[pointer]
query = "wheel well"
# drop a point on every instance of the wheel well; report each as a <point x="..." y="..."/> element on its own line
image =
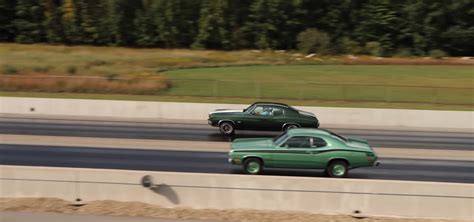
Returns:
<point x="286" y="124"/>
<point x="254" y="157"/>
<point x="226" y="121"/>
<point x="339" y="159"/>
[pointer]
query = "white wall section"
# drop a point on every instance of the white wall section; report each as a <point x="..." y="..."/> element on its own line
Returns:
<point x="221" y="191"/>
<point x="348" y="117"/>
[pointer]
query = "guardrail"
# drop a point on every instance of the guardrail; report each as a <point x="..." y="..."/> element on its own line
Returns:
<point x="220" y="191"/>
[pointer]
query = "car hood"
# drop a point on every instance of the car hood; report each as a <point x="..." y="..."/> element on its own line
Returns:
<point x="358" y="144"/>
<point x="218" y="111"/>
<point x="252" y="143"/>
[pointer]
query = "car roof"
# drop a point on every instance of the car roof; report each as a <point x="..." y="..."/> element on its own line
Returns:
<point x="270" y="103"/>
<point x="303" y="131"/>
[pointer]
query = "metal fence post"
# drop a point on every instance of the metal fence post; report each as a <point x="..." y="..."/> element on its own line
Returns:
<point x="214" y="88"/>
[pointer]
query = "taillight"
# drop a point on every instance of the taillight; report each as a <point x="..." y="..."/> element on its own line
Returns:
<point x="370" y="156"/>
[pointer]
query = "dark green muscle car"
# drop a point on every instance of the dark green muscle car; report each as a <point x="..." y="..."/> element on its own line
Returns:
<point x="262" y="116"/>
<point x="303" y="149"/>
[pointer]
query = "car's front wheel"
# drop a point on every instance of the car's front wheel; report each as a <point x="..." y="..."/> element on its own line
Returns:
<point x="337" y="168"/>
<point x="253" y="166"/>
<point x="227" y="128"/>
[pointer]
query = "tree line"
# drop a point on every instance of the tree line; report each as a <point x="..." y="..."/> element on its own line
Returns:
<point x="379" y="27"/>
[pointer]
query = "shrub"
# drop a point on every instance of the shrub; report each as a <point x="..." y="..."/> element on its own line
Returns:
<point x="9" y="70"/>
<point x="373" y="48"/>
<point x="437" y="54"/>
<point x="313" y="41"/>
<point x="111" y="76"/>
<point x="97" y="62"/>
<point x="346" y="45"/>
<point x="403" y="52"/>
<point x="71" y="70"/>
<point x="136" y="86"/>
<point x="42" y="69"/>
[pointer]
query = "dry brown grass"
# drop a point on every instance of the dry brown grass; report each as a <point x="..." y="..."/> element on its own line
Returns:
<point x="116" y="208"/>
<point x="68" y="84"/>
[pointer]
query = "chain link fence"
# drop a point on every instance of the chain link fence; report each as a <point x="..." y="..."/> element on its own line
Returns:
<point x="268" y="89"/>
<point x="322" y="91"/>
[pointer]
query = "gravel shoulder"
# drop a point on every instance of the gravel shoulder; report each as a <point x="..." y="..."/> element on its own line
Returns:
<point x="137" y="209"/>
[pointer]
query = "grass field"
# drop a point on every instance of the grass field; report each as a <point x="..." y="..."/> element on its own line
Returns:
<point x="449" y="85"/>
<point x="248" y="75"/>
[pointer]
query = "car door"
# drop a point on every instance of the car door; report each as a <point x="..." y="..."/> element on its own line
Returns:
<point x="295" y="152"/>
<point x="258" y="118"/>
<point x="278" y="118"/>
<point x="320" y="152"/>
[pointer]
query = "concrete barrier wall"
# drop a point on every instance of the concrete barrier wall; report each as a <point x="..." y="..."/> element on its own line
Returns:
<point x="219" y="191"/>
<point x="355" y="117"/>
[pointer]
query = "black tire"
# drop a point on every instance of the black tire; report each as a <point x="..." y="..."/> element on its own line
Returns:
<point x="337" y="168"/>
<point x="253" y="166"/>
<point x="290" y="126"/>
<point x="227" y="128"/>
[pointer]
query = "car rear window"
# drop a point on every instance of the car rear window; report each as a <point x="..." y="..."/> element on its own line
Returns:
<point x="333" y="134"/>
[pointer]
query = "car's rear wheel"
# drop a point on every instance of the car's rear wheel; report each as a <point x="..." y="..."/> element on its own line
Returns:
<point x="253" y="166"/>
<point x="227" y="128"/>
<point x="337" y="168"/>
<point x="290" y="126"/>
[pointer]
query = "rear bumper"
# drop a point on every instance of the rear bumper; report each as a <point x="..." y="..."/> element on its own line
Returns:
<point x="376" y="163"/>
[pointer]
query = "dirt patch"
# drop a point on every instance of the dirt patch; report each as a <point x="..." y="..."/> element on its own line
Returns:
<point x="115" y="208"/>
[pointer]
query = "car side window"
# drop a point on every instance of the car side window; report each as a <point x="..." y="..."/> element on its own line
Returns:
<point x="262" y="111"/>
<point x="277" y="112"/>
<point x="257" y="110"/>
<point x="317" y="142"/>
<point x="297" y="142"/>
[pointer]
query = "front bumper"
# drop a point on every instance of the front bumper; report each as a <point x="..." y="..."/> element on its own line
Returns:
<point x="234" y="161"/>
<point x="211" y="123"/>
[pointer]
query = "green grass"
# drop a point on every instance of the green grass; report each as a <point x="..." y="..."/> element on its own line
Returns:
<point x="246" y="76"/>
<point x="446" y="85"/>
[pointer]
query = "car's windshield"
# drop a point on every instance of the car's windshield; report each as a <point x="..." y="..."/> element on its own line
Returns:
<point x="280" y="138"/>
<point x="248" y="108"/>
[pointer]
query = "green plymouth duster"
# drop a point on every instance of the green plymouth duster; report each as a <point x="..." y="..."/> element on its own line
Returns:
<point x="303" y="149"/>
<point x="262" y="116"/>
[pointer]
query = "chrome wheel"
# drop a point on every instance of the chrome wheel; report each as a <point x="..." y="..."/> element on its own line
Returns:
<point x="337" y="168"/>
<point x="253" y="166"/>
<point x="226" y="128"/>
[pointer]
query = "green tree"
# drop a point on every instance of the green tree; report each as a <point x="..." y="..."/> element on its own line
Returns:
<point x="7" y="16"/>
<point x="261" y="27"/>
<point x="145" y="26"/>
<point x="378" y="23"/>
<point x="213" y="26"/>
<point x="53" y="23"/>
<point x="29" y="21"/>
